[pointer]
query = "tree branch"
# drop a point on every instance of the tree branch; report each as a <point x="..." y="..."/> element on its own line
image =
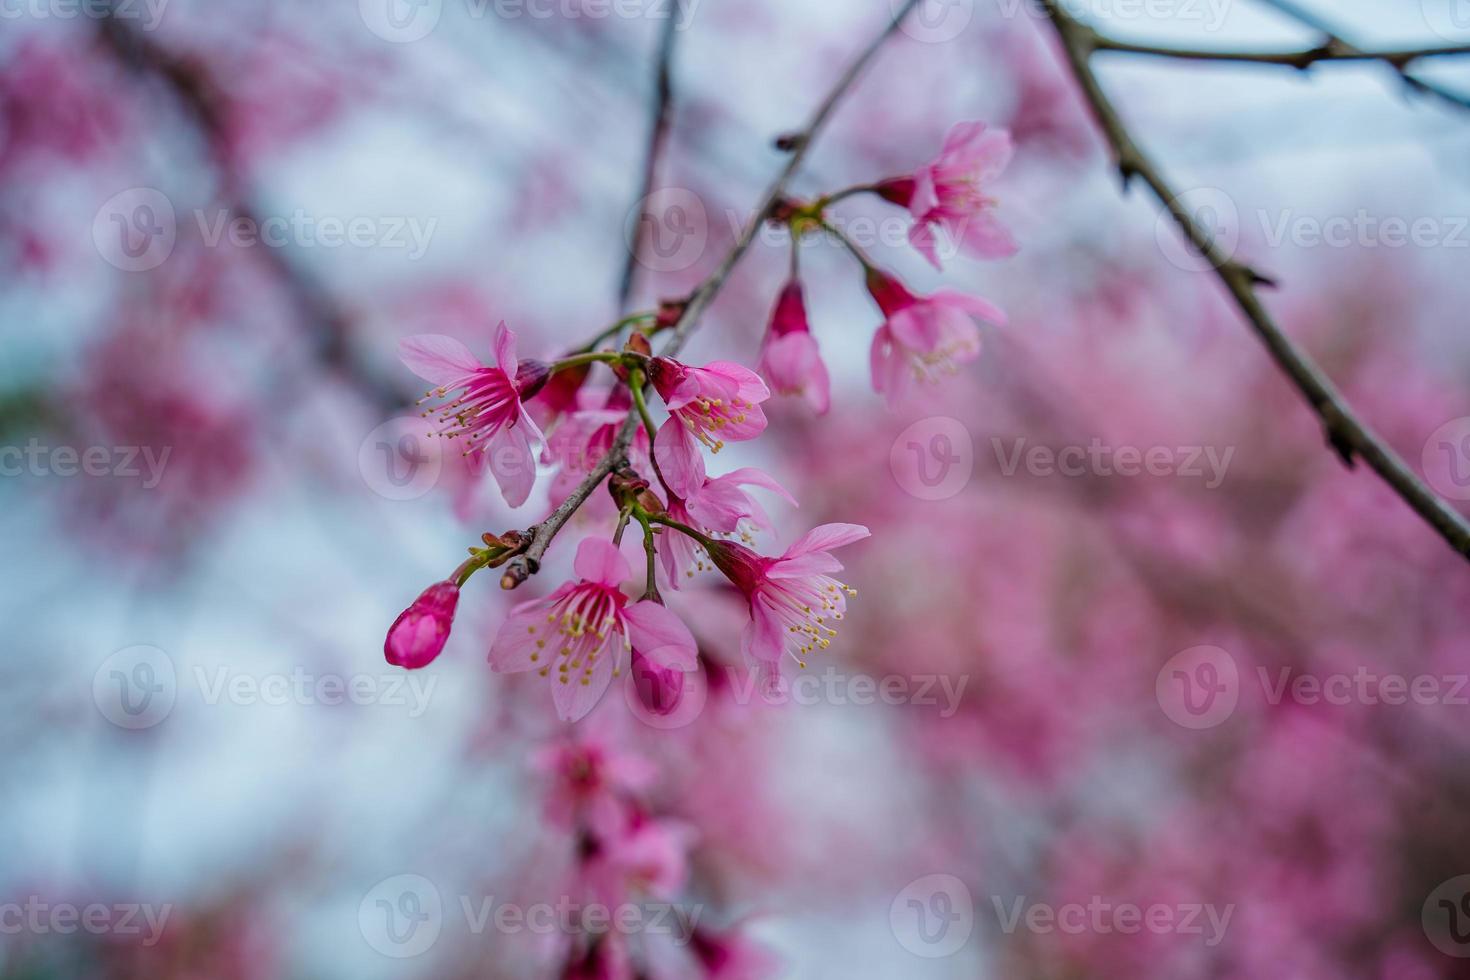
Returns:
<point x="1306" y="18"/>
<point x="1347" y="434"/>
<point x="524" y="565"/>
<point x="661" y="116"/>
<point x="1333" y="50"/>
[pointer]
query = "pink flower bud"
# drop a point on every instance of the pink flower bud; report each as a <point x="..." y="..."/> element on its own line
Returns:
<point x="660" y="689"/>
<point x="417" y="636"/>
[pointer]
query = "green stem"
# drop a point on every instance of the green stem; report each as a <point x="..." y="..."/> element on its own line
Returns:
<point x="476" y="561"/>
<point x="848" y="244"/>
<point x="651" y="590"/>
<point x="586" y="357"/>
<point x="703" y="539"/>
<point x="616" y="328"/>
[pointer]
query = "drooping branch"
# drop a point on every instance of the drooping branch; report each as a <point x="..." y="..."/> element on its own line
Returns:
<point x="1332" y="39"/>
<point x="1333" y="50"/>
<point x="1346" y="432"/>
<point x="203" y="102"/>
<point x="528" y="563"/>
<point x="660" y="118"/>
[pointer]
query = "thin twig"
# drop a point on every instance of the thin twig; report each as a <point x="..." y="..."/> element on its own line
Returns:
<point x="660" y="119"/>
<point x="1306" y="18"/>
<point x="204" y="102"/>
<point x="523" y="566"/>
<point x="1347" y="434"/>
<point x="1333" y="50"/>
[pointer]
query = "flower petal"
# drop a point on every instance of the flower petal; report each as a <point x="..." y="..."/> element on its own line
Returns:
<point x="599" y="560"/>
<point x="677" y="454"/>
<point x="512" y="460"/>
<point x="505" y="349"/>
<point x="763" y="639"/>
<point x="661" y="636"/>
<point x="825" y="537"/>
<point x="580" y="691"/>
<point x="438" y="359"/>
<point x="515" y="643"/>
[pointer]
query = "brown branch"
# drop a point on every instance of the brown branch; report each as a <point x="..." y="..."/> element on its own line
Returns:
<point x="203" y="101"/>
<point x="1347" y="434"/>
<point x="1332" y="39"/>
<point x="528" y="563"/>
<point x="1333" y="50"/>
<point x="661" y="117"/>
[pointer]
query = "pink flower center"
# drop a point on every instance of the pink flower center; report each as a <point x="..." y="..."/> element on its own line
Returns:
<point x="486" y="401"/>
<point x="803" y="606"/>
<point x="578" y="627"/>
<point x="706" y="416"/>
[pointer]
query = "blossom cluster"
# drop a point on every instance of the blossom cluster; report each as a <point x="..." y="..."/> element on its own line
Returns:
<point x="586" y="632"/>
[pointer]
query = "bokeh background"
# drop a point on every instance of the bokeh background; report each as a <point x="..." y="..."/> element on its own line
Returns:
<point x="204" y="740"/>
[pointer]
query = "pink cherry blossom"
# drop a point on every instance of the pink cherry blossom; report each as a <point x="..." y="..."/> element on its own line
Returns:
<point x="789" y="357"/>
<point x="721" y="507"/>
<point x="950" y="193"/>
<point x="791" y="597"/>
<point x="718" y="402"/>
<point x="583" y="630"/>
<point x="587" y="433"/>
<point x="922" y="337"/>
<point x="418" y="635"/>
<point x="486" y="409"/>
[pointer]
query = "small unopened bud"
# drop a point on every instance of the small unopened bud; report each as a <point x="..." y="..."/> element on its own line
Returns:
<point x="418" y="635"/>
<point x="531" y="377"/>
